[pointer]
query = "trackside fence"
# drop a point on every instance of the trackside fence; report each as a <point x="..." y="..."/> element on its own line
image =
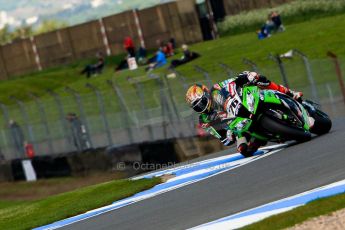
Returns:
<point x="152" y="109"/>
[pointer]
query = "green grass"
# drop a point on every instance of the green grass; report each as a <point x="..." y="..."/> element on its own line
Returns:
<point x="291" y="12"/>
<point x="7" y="204"/>
<point x="53" y="78"/>
<point x="29" y="191"/>
<point x="29" y="214"/>
<point x="315" y="208"/>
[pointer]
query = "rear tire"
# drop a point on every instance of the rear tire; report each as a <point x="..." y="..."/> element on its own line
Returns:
<point x="322" y="123"/>
<point x="285" y="132"/>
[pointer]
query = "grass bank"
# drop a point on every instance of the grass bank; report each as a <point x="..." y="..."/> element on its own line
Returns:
<point x="315" y="208"/>
<point x="29" y="191"/>
<point x="30" y="214"/>
<point x="313" y="37"/>
<point x="292" y="12"/>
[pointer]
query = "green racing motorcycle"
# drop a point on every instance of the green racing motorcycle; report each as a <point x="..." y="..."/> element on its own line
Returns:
<point x="276" y="117"/>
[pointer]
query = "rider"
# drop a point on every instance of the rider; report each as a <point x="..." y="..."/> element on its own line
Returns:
<point x="216" y="105"/>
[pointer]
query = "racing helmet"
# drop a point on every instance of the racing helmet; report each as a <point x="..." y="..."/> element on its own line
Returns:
<point x="198" y="97"/>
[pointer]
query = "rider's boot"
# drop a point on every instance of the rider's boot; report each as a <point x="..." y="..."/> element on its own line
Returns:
<point x="242" y="144"/>
<point x="295" y="95"/>
<point x="242" y="147"/>
<point x="255" y="144"/>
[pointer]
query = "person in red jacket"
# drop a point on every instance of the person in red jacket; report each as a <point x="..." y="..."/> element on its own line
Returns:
<point x="129" y="46"/>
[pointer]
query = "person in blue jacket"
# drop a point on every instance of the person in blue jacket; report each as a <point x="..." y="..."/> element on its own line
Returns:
<point x="159" y="62"/>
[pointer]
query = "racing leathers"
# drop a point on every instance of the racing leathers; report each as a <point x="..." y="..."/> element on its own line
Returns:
<point x="224" y="107"/>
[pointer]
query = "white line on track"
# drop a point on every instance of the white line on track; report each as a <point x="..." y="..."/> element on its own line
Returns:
<point x="256" y="214"/>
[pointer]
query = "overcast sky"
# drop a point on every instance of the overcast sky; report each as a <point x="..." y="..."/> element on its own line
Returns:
<point x="17" y="12"/>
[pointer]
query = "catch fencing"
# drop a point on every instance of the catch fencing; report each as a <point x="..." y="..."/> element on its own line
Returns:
<point x="150" y="108"/>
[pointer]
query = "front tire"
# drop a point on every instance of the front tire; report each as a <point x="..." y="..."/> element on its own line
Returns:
<point x="322" y="123"/>
<point x="283" y="130"/>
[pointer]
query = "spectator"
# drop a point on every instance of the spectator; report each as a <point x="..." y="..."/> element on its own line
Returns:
<point x="17" y="137"/>
<point x="187" y="57"/>
<point x="277" y="22"/>
<point x="264" y="32"/>
<point x="141" y="56"/>
<point x="168" y="49"/>
<point x="129" y="46"/>
<point x="123" y="64"/>
<point x="160" y="60"/>
<point x="94" y="68"/>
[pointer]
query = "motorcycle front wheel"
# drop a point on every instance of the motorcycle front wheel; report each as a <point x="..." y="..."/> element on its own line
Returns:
<point x="285" y="131"/>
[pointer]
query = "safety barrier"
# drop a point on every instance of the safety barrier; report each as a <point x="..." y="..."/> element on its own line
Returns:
<point x="130" y="160"/>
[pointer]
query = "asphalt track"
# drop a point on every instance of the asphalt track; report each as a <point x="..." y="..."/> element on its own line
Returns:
<point x="296" y="169"/>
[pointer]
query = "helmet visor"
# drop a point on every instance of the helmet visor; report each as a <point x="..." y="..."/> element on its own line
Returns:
<point x="201" y="105"/>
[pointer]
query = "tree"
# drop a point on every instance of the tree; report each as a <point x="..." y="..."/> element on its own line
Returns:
<point x="22" y="32"/>
<point x="5" y="35"/>
<point x="50" y="25"/>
